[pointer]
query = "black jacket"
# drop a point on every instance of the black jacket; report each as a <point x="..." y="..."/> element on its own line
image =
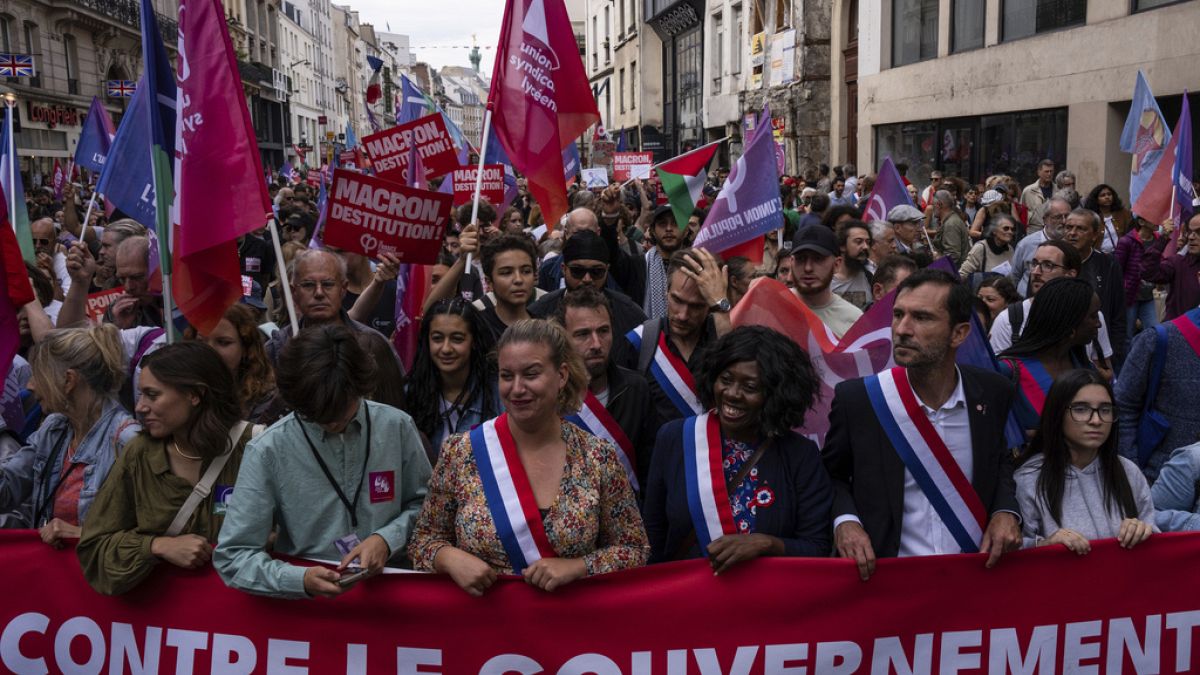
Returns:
<point x="868" y="474"/>
<point x="1104" y="274"/>
<point x="630" y="405"/>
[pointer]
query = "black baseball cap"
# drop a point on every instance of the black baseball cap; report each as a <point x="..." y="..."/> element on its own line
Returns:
<point x="815" y="238"/>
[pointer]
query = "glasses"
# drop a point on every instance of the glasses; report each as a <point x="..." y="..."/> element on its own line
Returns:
<point x="326" y="285"/>
<point x="41" y="242"/>
<point x="1189" y="233"/>
<point x="583" y="271"/>
<point x="1082" y="412"/>
<point x="1005" y="229"/>
<point x="1045" y="265"/>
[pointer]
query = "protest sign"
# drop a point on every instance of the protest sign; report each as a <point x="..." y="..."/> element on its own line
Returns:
<point x="595" y="178"/>
<point x="372" y="216"/>
<point x="388" y="150"/>
<point x="493" y="183"/>
<point x="313" y="177"/>
<point x="935" y="614"/>
<point x="98" y="302"/>
<point x="627" y="165"/>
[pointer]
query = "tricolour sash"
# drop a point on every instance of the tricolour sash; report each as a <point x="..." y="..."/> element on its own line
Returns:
<point x="708" y="496"/>
<point x="1035" y="382"/>
<point x="927" y="458"/>
<point x="509" y="496"/>
<point x="595" y="419"/>
<point x="671" y="373"/>
<point x="1189" y="325"/>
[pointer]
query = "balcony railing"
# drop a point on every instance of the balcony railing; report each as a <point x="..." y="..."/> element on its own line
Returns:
<point x="126" y="11"/>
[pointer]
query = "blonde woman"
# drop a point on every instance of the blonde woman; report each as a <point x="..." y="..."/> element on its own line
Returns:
<point x="54" y="478"/>
<point x="578" y="516"/>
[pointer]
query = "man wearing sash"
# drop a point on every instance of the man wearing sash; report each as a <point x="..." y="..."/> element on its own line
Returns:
<point x="1172" y="351"/>
<point x="917" y="453"/>
<point x="617" y="405"/>
<point x="669" y="348"/>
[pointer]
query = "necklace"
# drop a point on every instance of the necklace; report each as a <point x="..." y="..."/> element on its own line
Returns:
<point x="175" y="447"/>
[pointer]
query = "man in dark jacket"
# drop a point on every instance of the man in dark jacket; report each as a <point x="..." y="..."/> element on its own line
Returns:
<point x="879" y="508"/>
<point x="1083" y="231"/>
<point x="587" y="317"/>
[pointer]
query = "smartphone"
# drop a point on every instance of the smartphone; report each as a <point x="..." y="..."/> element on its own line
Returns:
<point x="352" y="578"/>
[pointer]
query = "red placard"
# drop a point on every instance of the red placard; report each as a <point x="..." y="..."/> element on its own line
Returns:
<point x="493" y="183"/>
<point x="625" y="162"/>
<point x="313" y="177"/>
<point x="372" y="216"/>
<point x="98" y="302"/>
<point x="388" y="150"/>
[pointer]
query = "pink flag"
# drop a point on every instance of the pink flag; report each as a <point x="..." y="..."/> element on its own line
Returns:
<point x="215" y="153"/>
<point x="540" y="97"/>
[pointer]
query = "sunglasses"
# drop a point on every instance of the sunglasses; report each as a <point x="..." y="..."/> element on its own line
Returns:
<point x="584" y="271"/>
<point x="41" y="242"/>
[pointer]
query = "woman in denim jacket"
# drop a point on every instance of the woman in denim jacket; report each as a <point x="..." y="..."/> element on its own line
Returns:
<point x="55" y="476"/>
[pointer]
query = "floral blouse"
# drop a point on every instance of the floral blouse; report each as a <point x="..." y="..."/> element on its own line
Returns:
<point x="594" y="517"/>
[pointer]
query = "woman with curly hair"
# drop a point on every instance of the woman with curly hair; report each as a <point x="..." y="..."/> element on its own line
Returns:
<point x="772" y="495"/>
<point x="1103" y="200"/>
<point x="239" y="342"/>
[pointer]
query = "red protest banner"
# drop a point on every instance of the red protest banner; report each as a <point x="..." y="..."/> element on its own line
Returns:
<point x="98" y="302"/>
<point x="313" y="177"/>
<point x="493" y="183"/>
<point x="628" y="165"/>
<point x="1046" y="610"/>
<point x="372" y="216"/>
<point x="388" y="149"/>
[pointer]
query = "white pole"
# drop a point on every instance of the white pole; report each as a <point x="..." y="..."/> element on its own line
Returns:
<point x="168" y="299"/>
<point x="487" y="128"/>
<point x="87" y="218"/>
<point x="284" y="281"/>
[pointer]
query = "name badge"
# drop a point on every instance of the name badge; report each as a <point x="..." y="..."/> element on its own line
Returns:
<point x="383" y="486"/>
<point x="222" y="495"/>
<point x="253" y="265"/>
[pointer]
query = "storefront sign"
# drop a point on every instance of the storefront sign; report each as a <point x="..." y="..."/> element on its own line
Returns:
<point x="53" y="115"/>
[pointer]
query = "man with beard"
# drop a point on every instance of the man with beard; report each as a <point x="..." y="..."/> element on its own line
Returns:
<point x="815" y="251"/>
<point x="851" y="279"/>
<point x="883" y="504"/>
<point x="615" y="394"/>
<point x="667" y="238"/>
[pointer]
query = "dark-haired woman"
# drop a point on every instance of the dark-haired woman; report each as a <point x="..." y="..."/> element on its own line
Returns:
<point x="1072" y="486"/>
<point x="452" y="386"/>
<point x="1063" y="319"/>
<point x="772" y="495"/>
<point x="997" y="292"/>
<point x="1103" y="200"/>
<point x="189" y="409"/>
<point x="1139" y="294"/>
<point x="239" y="342"/>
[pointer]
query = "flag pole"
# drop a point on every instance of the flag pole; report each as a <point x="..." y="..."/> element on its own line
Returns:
<point x="487" y="128"/>
<point x="87" y="218"/>
<point x="12" y="168"/>
<point x="168" y="299"/>
<point x="284" y="281"/>
<point x="655" y="166"/>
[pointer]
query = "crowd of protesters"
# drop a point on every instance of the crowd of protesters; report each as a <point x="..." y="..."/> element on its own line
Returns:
<point x="591" y="363"/>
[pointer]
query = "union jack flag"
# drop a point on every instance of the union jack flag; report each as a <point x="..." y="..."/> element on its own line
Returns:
<point x="121" y="88"/>
<point x="16" y="65"/>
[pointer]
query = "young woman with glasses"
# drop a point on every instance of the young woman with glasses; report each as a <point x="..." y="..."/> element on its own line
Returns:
<point x="1072" y="485"/>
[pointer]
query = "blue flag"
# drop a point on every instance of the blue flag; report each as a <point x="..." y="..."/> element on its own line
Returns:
<point x="888" y="193"/>
<point x="351" y="139"/>
<point x="622" y="142"/>
<point x="287" y="171"/>
<point x="1183" y="193"/>
<point x="571" y="161"/>
<point x="126" y="179"/>
<point x="95" y="139"/>
<point x="415" y="104"/>
<point x="748" y="205"/>
<point x="1145" y="136"/>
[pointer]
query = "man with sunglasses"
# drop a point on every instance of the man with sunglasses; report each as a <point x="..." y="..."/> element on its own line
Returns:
<point x="49" y="257"/>
<point x="585" y="264"/>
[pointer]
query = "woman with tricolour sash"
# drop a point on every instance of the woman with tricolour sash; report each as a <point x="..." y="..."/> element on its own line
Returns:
<point x="526" y="493"/>
<point x="1063" y="319"/>
<point x="736" y="483"/>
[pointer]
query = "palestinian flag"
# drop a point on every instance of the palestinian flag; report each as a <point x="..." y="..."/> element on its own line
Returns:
<point x="683" y="180"/>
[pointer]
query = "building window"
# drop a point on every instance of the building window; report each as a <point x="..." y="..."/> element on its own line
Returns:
<point x="1140" y="5"/>
<point x="621" y="26"/>
<point x="973" y="148"/>
<point x="5" y="34"/>
<point x="1022" y="18"/>
<point x="71" y="53"/>
<point x="633" y="73"/>
<point x="633" y="17"/>
<point x="967" y="32"/>
<point x="621" y="96"/>
<point x="783" y="14"/>
<point x="735" y="51"/>
<point x="718" y="50"/>
<point x="33" y="45"/>
<point x="607" y="35"/>
<point x="914" y="31"/>
<point x="595" y="42"/>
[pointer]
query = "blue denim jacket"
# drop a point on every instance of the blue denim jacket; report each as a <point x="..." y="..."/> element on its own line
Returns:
<point x="31" y="476"/>
<point x="472" y="416"/>
<point x="1174" y="493"/>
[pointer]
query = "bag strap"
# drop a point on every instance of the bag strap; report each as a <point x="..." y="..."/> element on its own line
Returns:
<point x="204" y="486"/>
<point x="1157" y="363"/>
<point x="650" y="330"/>
<point x="690" y="540"/>
<point x="1016" y="317"/>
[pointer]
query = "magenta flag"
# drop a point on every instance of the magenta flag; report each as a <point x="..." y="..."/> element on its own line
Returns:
<point x="219" y="192"/>
<point x="540" y="97"/>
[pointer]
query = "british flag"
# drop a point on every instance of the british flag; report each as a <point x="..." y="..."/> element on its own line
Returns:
<point x="16" y="65"/>
<point x="121" y="88"/>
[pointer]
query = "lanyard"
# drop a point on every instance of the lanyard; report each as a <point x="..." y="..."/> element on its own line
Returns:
<point x="351" y="506"/>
